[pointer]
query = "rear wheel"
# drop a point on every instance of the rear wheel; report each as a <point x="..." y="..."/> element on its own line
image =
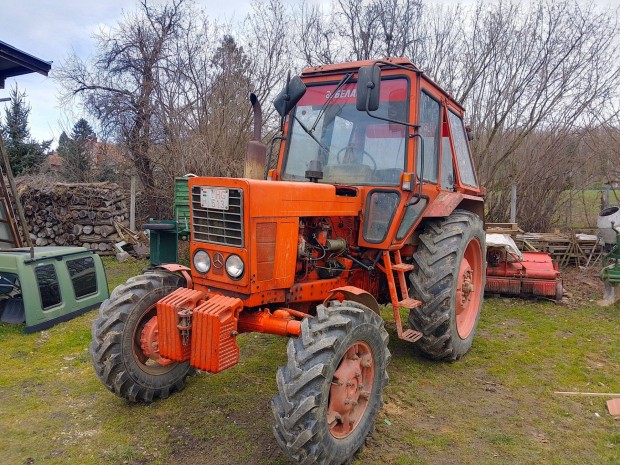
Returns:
<point x="124" y="345"/>
<point x="449" y="278"/>
<point x="330" y="391"/>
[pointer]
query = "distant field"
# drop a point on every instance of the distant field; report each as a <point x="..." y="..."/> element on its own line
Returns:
<point x="496" y="406"/>
<point x="582" y="208"/>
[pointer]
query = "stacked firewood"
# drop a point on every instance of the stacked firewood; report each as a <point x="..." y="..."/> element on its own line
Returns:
<point x="82" y="214"/>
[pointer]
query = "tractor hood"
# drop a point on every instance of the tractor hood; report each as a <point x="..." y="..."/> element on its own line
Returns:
<point x="278" y="199"/>
<point x="257" y="224"/>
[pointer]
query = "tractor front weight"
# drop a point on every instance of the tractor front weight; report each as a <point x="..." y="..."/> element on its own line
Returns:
<point x="203" y="327"/>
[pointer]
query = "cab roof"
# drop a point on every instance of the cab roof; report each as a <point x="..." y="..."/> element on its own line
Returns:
<point x="354" y="66"/>
<point x="340" y="68"/>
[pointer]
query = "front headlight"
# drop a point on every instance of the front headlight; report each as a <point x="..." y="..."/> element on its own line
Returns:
<point x="234" y="266"/>
<point x="202" y="261"/>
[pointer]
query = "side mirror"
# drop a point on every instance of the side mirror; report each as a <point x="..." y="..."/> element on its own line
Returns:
<point x="289" y="96"/>
<point x="368" y="88"/>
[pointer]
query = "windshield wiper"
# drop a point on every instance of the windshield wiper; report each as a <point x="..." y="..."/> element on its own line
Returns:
<point x="309" y="132"/>
<point x="342" y="82"/>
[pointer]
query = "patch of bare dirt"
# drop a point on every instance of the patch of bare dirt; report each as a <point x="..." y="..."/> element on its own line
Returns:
<point x="581" y="285"/>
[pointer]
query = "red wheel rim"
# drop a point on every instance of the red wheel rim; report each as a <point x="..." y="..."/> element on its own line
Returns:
<point x="350" y="390"/>
<point x="469" y="289"/>
<point x="149" y="342"/>
<point x="146" y="345"/>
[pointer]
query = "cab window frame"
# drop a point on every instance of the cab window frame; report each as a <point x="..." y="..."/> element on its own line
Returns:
<point x="436" y="155"/>
<point x="291" y="123"/>
<point x="38" y="280"/>
<point x="92" y="266"/>
<point x="468" y="161"/>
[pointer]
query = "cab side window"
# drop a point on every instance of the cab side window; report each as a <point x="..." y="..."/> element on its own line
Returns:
<point x="429" y="130"/>
<point x="463" y="157"/>
<point x="83" y="276"/>
<point x="447" y="167"/>
<point x="49" y="289"/>
<point x="447" y="157"/>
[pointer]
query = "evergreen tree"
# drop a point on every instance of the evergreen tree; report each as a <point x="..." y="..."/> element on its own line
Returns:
<point x="23" y="151"/>
<point x="76" y="150"/>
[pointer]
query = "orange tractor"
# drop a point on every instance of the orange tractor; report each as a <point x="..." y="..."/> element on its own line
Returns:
<point x="373" y="200"/>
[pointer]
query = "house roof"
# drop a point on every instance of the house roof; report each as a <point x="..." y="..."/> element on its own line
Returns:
<point x="14" y="62"/>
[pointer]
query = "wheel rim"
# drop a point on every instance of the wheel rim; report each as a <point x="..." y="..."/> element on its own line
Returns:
<point x="469" y="289"/>
<point x="350" y="390"/>
<point x="146" y="345"/>
<point x="149" y="343"/>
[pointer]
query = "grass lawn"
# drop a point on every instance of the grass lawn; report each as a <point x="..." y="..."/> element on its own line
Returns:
<point x="495" y="406"/>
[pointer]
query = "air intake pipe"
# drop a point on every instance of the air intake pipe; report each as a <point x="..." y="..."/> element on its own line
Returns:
<point x="256" y="154"/>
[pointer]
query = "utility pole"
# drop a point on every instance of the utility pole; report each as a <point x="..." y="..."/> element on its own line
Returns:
<point x="513" y="203"/>
<point x="132" y="204"/>
<point x="606" y="196"/>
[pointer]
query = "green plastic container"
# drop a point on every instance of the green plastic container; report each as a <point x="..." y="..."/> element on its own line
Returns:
<point x="165" y="234"/>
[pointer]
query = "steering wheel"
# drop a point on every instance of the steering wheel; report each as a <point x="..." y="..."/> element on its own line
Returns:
<point x="364" y="152"/>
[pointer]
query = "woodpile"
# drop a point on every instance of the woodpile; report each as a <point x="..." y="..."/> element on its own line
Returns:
<point x="80" y="214"/>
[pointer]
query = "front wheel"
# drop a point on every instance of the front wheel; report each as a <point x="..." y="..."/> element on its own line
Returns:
<point x="330" y="390"/>
<point x="124" y="345"/>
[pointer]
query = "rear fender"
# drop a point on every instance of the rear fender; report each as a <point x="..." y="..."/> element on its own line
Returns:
<point x="354" y="294"/>
<point x="447" y="202"/>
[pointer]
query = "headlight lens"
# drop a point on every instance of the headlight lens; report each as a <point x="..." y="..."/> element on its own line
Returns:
<point x="202" y="261"/>
<point x="234" y="266"/>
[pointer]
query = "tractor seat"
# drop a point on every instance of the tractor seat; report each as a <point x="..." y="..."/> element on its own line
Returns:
<point x="347" y="173"/>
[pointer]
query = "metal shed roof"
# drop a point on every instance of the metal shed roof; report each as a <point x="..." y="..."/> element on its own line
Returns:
<point x="14" y="62"/>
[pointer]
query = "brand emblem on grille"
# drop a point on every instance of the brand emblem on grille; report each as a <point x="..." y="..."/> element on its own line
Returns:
<point x="218" y="260"/>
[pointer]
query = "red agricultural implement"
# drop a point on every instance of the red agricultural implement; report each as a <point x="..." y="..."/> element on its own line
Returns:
<point x="512" y="272"/>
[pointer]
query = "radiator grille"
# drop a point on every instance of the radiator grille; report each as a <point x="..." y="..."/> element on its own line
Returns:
<point x="214" y="226"/>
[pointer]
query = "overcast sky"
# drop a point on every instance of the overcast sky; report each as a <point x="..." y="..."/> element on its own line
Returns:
<point x="51" y="29"/>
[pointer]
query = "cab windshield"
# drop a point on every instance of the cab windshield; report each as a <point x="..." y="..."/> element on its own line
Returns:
<point x="354" y="148"/>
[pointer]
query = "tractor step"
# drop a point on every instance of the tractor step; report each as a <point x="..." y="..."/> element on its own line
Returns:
<point x="396" y="286"/>
<point x="409" y="303"/>
<point x="411" y="335"/>
<point x="402" y="267"/>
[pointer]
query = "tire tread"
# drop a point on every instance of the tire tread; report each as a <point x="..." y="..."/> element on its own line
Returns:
<point x="107" y="334"/>
<point x="434" y="278"/>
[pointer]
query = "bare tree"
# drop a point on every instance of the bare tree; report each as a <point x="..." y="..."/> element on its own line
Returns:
<point x="320" y="45"/>
<point x="545" y="68"/>
<point x="172" y="85"/>
<point x="119" y="85"/>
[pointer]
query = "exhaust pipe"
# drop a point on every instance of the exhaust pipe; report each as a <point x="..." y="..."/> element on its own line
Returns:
<point x="256" y="155"/>
<point x="258" y="116"/>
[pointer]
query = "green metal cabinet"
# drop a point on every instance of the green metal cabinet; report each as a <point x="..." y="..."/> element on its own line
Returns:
<point x="165" y="234"/>
<point x="181" y="207"/>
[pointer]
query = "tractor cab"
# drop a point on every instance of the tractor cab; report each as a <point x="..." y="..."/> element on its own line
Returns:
<point x="388" y="131"/>
<point x="381" y="123"/>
